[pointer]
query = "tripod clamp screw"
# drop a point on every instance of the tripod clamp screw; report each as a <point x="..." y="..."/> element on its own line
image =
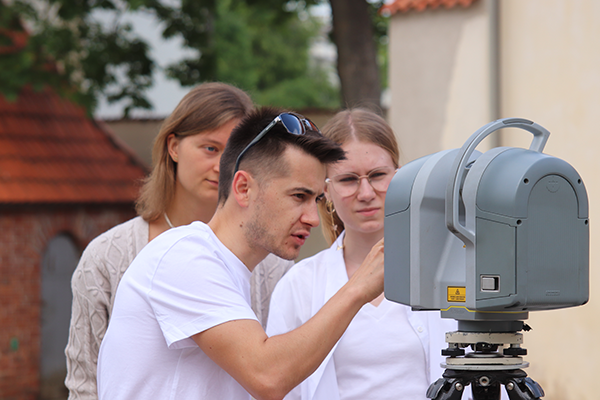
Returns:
<point x="453" y="351"/>
<point x="515" y="350"/>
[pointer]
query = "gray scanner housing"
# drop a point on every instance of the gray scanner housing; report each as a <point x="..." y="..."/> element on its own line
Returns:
<point x="488" y="236"/>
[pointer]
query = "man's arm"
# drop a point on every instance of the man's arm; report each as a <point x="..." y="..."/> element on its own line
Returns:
<point x="269" y="367"/>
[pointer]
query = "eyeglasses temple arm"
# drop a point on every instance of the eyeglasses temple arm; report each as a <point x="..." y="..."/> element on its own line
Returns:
<point x="254" y="141"/>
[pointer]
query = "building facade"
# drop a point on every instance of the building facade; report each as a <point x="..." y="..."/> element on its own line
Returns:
<point x="63" y="181"/>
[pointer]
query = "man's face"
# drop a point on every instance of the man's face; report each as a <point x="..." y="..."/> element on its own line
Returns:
<point x="285" y="207"/>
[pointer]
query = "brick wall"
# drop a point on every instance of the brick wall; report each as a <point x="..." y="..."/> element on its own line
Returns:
<point x="24" y="235"/>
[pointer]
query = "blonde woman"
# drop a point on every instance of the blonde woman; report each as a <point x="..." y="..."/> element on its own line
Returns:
<point x="182" y="188"/>
<point x="388" y="351"/>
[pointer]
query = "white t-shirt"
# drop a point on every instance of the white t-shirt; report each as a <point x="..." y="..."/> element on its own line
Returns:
<point x="411" y="340"/>
<point x="182" y="283"/>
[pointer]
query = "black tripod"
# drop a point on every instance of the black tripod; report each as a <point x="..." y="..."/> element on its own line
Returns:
<point x="485" y="385"/>
<point x="485" y="369"/>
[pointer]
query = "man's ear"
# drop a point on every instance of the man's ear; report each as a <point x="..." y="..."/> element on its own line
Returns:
<point x="243" y="184"/>
<point x="173" y="146"/>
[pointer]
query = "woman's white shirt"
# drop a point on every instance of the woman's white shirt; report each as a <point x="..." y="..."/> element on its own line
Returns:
<point x="419" y="336"/>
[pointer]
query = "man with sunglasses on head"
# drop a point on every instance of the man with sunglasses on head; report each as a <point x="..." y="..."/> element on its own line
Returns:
<point x="182" y="325"/>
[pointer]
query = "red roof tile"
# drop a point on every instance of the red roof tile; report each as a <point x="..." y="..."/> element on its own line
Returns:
<point x="403" y="6"/>
<point x="51" y="152"/>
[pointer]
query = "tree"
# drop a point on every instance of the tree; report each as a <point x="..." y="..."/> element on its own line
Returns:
<point x="360" y="35"/>
<point x="73" y="53"/>
<point x="264" y="50"/>
<point x="353" y="34"/>
<point x="260" y="49"/>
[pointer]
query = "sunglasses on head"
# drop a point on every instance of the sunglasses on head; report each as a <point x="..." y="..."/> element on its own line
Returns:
<point x="291" y="122"/>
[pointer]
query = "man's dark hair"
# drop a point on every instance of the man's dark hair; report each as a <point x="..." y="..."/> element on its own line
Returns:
<point x="265" y="158"/>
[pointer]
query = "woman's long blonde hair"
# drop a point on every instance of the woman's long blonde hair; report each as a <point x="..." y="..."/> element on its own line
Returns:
<point x="355" y="124"/>
<point x="205" y="108"/>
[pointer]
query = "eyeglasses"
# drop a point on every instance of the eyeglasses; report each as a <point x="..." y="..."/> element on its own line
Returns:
<point x="347" y="184"/>
<point x="291" y="122"/>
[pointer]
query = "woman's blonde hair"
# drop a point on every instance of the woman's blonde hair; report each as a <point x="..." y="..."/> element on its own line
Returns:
<point x="205" y="108"/>
<point x="355" y="124"/>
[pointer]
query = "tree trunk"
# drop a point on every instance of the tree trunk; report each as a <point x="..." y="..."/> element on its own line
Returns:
<point x="357" y="53"/>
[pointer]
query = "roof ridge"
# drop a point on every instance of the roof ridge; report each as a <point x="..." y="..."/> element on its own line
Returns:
<point x="404" y="6"/>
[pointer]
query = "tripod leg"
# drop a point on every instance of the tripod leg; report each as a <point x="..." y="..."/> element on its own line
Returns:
<point x="446" y="389"/>
<point x="524" y="389"/>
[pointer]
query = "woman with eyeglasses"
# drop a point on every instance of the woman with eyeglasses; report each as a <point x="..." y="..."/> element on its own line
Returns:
<point x="388" y="351"/>
<point x="181" y="188"/>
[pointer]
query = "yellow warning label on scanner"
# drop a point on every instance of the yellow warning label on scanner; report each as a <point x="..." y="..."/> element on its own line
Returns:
<point x="457" y="294"/>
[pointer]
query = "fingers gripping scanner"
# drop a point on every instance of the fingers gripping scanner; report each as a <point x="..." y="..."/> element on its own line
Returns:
<point x="486" y="238"/>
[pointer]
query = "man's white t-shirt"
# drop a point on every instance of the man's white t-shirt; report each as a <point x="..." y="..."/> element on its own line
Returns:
<point x="182" y="283"/>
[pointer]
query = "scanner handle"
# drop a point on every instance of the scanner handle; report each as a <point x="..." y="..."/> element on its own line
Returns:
<point x="458" y="171"/>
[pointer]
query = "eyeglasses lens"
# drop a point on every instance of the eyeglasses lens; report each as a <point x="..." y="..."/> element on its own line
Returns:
<point x="348" y="184"/>
<point x="292" y="124"/>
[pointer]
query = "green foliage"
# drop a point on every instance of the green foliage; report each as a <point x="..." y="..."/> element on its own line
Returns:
<point x="78" y="56"/>
<point x="264" y="50"/>
<point x="20" y="64"/>
<point x="261" y="46"/>
<point x="301" y="93"/>
<point x="380" y="27"/>
<point x="195" y="22"/>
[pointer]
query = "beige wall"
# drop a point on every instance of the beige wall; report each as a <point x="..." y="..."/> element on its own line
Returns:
<point x="438" y="78"/>
<point x="137" y="134"/>
<point x="549" y="73"/>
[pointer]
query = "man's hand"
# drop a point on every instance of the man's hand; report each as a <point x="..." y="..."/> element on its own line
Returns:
<point x="368" y="278"/>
